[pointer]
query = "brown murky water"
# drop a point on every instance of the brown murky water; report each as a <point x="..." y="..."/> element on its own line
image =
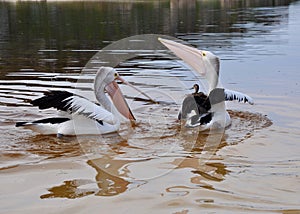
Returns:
<point x="155" y="166"/>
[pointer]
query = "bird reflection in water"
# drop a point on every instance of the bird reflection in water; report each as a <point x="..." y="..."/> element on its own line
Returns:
<point x="70" y="189"/>
<point x="203" y="163"/>
<point x="206" y="167"/>
<point x="111" y="175"/>
<point x="111" y="178"/>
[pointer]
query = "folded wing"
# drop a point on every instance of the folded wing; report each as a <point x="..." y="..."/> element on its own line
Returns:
<point x="74" y="105"/>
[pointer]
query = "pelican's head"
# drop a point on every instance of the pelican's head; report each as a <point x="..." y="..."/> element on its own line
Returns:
<point x="104" y="76"/>
<point x="106" y="80"/>
<point x="211" y="61"/>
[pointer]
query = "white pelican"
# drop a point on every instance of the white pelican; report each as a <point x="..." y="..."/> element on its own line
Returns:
<point x="82" y="116"/>
<point x="200" y="109"/>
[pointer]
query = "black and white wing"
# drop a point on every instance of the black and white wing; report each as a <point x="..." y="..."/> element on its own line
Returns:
<point x="234" y="95"/>
<point x="74" y="105"/>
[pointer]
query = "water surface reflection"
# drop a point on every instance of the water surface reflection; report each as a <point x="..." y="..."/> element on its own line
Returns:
<point x="54" y="36"/>
<point x="125" y="164"/>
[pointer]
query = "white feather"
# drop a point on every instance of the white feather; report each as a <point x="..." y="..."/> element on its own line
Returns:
<point x="82" y="106"/>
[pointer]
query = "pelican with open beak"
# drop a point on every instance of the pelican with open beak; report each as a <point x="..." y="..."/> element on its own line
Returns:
<point x="82" y="116"/>
<point x="204" y="109"/>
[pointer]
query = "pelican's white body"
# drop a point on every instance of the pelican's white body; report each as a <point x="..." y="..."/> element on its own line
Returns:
<point x="84" y="126"/>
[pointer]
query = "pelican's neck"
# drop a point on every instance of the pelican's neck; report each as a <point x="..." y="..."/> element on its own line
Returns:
<point x="106" y="103"/>
<point x="213" y="80"/>
<point x="213" y="75"/>
<point x="102" y="98"/>
<point x="99" y="87"/>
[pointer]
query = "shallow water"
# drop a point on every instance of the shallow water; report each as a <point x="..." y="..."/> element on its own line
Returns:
<point x="154" y="165"/>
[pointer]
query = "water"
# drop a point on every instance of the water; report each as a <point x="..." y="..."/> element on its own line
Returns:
<point x="154" y="165"/>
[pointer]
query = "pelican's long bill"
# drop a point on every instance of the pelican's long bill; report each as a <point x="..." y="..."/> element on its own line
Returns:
<point x="118" y="99"/>
<point x="138" y="90"/>
<point x="190" y="55"/>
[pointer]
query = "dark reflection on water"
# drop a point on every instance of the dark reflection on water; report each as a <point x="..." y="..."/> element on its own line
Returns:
<point x="69" y="190"/>
<point x="45" y="45"/>
<point x="45" y="36"/>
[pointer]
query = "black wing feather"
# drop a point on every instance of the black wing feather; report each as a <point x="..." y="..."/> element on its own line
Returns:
<point x="52" y="120"/>
<point x="54" y="99"/>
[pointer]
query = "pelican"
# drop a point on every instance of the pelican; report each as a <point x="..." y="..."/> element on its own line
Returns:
<point x="81" y="116"/>
<point x="199" y="109"/>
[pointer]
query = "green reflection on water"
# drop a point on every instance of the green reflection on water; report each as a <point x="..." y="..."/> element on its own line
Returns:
<point x="27" y="27"/>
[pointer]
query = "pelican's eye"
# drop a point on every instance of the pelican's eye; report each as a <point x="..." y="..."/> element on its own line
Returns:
<point x="203" y="54"/>
<point x="116" y="75"/>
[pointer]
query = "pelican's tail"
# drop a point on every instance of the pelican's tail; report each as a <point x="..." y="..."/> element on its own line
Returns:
<point x="43" y="126"/>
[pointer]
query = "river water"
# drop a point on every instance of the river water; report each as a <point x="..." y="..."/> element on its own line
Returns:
<point x="154" y="165"/>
